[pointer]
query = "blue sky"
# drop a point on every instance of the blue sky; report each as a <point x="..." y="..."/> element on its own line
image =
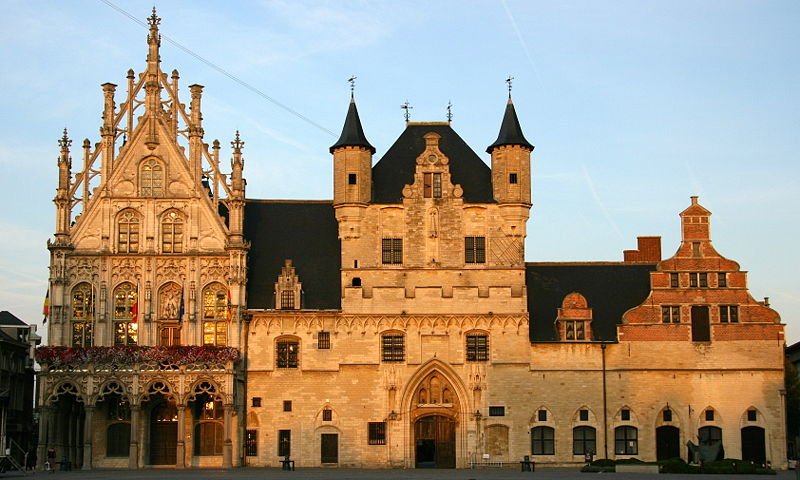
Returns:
<point x="633" y="106"/>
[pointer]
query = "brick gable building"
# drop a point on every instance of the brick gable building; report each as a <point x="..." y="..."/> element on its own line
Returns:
<point x="397" y="325"/>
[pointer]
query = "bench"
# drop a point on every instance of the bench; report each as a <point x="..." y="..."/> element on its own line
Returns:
<point x="287" y="464"/>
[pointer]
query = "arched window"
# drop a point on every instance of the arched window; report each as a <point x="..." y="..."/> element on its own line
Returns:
<point x="626" y="440"/>
<point x="128" y="232"/>
<point x="543" y="441"/>
<point x="172" y="232"/>
<point x="82" y="315"/>
<point x="126" y="313"/>
<point x="215" y="315"/>
<point x="170" y="311"/>
<point x="584" y="440"/>
<point x="151" y="179"/>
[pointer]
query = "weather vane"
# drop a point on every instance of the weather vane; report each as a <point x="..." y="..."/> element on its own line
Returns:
<point x="508" y="81"/>
<point x="449" y="111"/>
<point x="352" y="81"/>
<point x="407" y="106"/>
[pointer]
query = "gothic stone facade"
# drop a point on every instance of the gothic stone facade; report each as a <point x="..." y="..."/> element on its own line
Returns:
<point x="396" y="326"/>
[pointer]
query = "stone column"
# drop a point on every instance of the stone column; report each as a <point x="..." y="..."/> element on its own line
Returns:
<point x="88" y="437"/>
<point x="133" y="455"/>
<point x="181" y="447"/>
<point x="227" y="448"/>
<point x="45" y="420"/>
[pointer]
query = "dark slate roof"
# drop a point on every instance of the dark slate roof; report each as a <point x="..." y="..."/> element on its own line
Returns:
<point x="352" y="133"/>
<point x="510" y="130"/>
<point x="8" y="318"/>
<point x="304" y="231"/>
<point x="610" y="289"/>
<point x="397" y="167"/>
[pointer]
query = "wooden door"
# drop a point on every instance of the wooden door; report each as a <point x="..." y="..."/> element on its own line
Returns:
<point x="435" y="441"/>
<point x="668" y="442"/>
<point x="329" y="448"/>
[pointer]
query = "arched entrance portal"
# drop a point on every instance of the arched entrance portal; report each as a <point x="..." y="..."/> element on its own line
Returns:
<point x="435" y="440"/>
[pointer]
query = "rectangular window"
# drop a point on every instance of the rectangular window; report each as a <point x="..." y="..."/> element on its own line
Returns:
<point x="729" y="313"/>
<point x="671" y="314"/>
<point x="574" y="330"/>
<point x="287" y="354"/>
<point x="751" y="415"/>
<point x="284" y="443"/>
<point x="477" y="348"/>
<point x="625" y="415"/>
<point x="584" y="415"/>
<point x="323" y="340"/>
<point x="673" y="280"/>
<point x="287" y="405"/>
<point x="512" y="178"/>
<point x="215" y="333"/>
<point x="287" y="299"/>
<point x="584" y="440"/>
<point x="626" y="441"/>
<point x="327" y="415"/>
<point x="497" y="411"/>
<point x="376" y="433"/>
<point x="722" y="280"/>
<point x="392" y="251"/>
<point x="667" y="415"/>
<point x="698" y="280"/>
<point x="251" y="443"/>
<point x="474" y="249"/>
<point x="352" y="178"/>
<point x="543" y="441"/>
<point x="393" y="348"/>
<point x="709" y="415"/>
<point x="432" y="185"/>
<point x="170" y="335"/>
<point x="82" y="334"/>
<point x="541" y="415"/>
<point x="256" y="401"/>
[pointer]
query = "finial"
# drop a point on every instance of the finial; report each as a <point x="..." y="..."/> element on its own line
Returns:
<point x="64" y="142"/>
<point x="449" y="111"/>
<point x="154" y="20"/>
<point x="237" y="143"/>
<point x="508" y="81"/>
<point x="407" y="106"/>
<point x="352" y="81"/>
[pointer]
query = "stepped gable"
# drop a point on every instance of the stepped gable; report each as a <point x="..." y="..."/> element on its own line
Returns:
<point x="396" y="168"/>
<point x="305" y="232"/>
<point x="610" y="288"/>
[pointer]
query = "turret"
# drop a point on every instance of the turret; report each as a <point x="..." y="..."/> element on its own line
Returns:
<point x="511" y="161"/>
<point x="352" y="162"/>
<point x="62" y="200"/>
<point x="236" y="202"/>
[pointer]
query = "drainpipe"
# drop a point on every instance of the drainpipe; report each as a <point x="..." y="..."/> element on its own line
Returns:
<point x="605" y="404"/>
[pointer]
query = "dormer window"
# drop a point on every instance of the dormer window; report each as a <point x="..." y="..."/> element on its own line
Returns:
<point x="698" y="280"/>
<point x="288" y="288"/>
<point x="432" y="185"/>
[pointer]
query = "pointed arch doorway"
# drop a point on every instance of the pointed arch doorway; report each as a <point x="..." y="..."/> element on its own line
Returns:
<point x="435" y="441"/>
<point x="435" y="398"/>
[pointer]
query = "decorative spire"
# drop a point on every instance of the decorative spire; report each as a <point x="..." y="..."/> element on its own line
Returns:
<point x="64" y="142"/>
<point x="237" y="143"/>
<point x="153" y="38"/>
<point x="510" y="130"/>
<point x="352" y="133"/>
<point x="449" y="112"/>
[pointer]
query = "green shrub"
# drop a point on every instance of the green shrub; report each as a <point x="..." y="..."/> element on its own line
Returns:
<point x="603" y="462"/>
<point x="625" y="461"/>
<point x="598" y="469"/>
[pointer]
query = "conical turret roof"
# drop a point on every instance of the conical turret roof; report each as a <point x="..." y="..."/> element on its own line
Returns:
<point x="510" y="131"/>
<point x="352" y="133"/>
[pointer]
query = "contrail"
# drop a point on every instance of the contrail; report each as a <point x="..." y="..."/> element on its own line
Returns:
<point x="598" y="202"/>
<point x="521" y="41"/>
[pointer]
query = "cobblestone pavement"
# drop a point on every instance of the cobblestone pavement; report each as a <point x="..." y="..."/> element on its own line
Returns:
<point x="253" y="473"/>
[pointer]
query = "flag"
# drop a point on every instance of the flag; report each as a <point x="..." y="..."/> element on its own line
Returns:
<point x="135" y="307"/>
<point x="46" y="307"/>
<point x="181" y="308"/>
